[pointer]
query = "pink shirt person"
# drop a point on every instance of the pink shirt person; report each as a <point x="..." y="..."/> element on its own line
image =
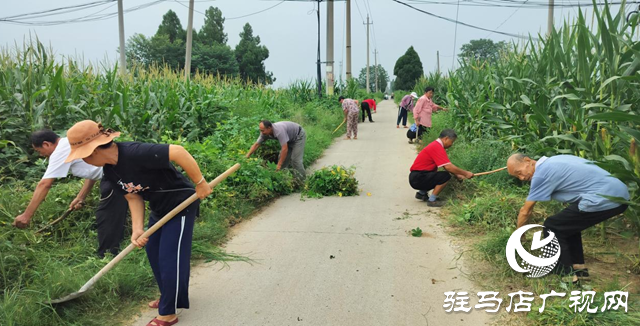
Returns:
<point x="424" y="108"/>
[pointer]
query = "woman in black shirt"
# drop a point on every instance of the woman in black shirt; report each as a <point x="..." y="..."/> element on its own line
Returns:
<point x="143" y="172"/>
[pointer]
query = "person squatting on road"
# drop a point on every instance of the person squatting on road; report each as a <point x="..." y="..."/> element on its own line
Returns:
<point x="366" y="106"/>
<point x="424" y="174"/>
<point x="292" y="138"/>
<point x="350" y="109"/>
<point x="406" y="105"/>
<point x="423" y="111"/>
<point x="412" y="133"/>
<point x="143" y="172"/>
<point x="111" y="213"/>
<point x="582" y="184"/>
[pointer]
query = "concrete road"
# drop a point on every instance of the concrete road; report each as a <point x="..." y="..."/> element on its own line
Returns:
<point x="339" y="261"/>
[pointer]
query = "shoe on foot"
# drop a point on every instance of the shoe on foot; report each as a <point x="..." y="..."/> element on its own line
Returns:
<point x="154" y="304"/>
<point x="436" y="203"/>
<point x="410" y="141"/>
<point x="397" y="126"/>
<point x="421" y="196"/>
<point x="371" y="121"/>
<point x="406" y="127"/>
<point x="158" y="322"/>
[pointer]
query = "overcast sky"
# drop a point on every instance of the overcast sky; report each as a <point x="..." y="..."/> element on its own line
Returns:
<point x="289" y="30"/>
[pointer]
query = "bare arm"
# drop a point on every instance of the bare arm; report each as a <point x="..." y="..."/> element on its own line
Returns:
<point x="283" y="156"/>
<point x="254" y="147"/>
<point x="525" y="213"/>
<point x="82" y="195"/>
<point x="136" y="207"/>
<point x="180" y="156"/>
<point x="39" y="194"/>
<point x="458" y="171"/>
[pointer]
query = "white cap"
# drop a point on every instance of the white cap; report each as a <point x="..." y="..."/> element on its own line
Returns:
<point x="414" y="95"/>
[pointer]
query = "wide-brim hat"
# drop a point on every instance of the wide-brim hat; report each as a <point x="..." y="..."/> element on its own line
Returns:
<point x="85" y="136"/>
<point x="414" y="95"/>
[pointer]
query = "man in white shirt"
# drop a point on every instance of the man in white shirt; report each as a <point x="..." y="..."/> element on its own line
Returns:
<point x="111" y="212"/>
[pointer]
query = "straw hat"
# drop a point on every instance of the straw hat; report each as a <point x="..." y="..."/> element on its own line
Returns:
<point x="85" y="136"/>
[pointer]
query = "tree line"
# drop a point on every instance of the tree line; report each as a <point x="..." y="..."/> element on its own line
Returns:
<point x="210" y="51"/>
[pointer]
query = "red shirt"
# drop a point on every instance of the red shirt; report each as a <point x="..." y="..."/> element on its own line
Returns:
<point x="372" y="103"/>
<point x="431" y="157"/>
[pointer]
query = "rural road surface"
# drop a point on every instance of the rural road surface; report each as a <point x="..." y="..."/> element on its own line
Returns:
<point x="379" y="275"/>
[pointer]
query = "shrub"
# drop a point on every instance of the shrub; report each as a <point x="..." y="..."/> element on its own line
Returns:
<point x="332" y="181"/>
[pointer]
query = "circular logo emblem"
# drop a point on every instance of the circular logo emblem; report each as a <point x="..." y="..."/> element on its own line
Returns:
<point x="538" y="264"/>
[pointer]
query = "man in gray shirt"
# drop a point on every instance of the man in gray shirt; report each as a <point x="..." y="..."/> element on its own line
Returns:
<point x="581" y="184"/>
<point x="292" y="138"/>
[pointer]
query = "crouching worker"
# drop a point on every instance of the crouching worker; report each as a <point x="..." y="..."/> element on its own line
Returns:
<point x="143" y="172"/>
<point x="574" y="180"/>
<point x="424" y="174"/>
<point x="412" y="133"/>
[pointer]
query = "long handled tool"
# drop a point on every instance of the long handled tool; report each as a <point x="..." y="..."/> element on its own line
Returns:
<point x="87" y="286"/>
<point x="339" y="126"/>
<point x="56" y="220"/>
<point x="489" y="172"/>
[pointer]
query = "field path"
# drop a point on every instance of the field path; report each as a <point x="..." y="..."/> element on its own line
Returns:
<point x="339" y="261"/>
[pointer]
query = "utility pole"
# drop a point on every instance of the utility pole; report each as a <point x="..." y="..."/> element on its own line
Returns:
<point x="368" y="88"/>
<point x="187" y="60"/>
<point x="438" y="57"/>
<point x="318" y="62"/>
<point x="550" y="18"/>
<point x="123" y="62"/>
<point x="375" y="55"/>
<point x="330" y="47"/>
<point x="348" y="39"/>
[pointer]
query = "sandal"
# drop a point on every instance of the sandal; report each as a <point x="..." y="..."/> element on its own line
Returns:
<point x="154" y="304"/>
<point x="158" y="322"/>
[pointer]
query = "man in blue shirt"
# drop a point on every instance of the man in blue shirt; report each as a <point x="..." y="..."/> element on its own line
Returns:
<point x="574" y="180"/>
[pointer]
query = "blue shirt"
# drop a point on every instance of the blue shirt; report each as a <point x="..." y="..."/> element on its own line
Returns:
<point x="569" y="179"/>
<point x="413" y="128"/>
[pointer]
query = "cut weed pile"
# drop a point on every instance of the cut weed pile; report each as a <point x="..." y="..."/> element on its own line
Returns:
<point x="482" y="213"/>
<point x="332" y="181"/>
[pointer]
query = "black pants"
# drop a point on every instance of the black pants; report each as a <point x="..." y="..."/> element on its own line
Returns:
<point x="427" y="180"/>
<point x="365" y="106"/>
<point x="568" y="225"/>
<point x="111" y="217"/>
<point x="422" y="130"/>
<point x="402" y="115"/>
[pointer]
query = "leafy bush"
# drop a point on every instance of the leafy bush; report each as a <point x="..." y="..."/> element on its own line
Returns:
<point x="332" y="181"/>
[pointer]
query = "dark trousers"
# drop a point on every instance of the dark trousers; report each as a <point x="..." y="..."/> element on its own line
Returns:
<point x="402" y="115"/>
<point x="169" y="254"/>
<point x="427" y="180"/>
<point x="365" y="107"/>
<point x="111" y="217"/>
<point x="422" y="130"/>
<point x="568" y="225"/>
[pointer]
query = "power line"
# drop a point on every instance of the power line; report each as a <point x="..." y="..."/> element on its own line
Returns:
<point x="461" y="23"/>
<point x="238" y="17"/>
<point x="508" y="17"/>
<point x="455" y="37"/>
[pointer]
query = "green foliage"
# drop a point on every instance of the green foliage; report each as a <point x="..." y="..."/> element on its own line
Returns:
<point x="212" y="32"/>
<point x="382" y="78"/>
<point x="171" y="27"/>
<point x="216" y="59"/>
<point x="417" y="232"/>
<point x="408" y="70"/>
<point x="482" y="50"/>
<point x="332" y="181"/>
<point x="251" y="56"/>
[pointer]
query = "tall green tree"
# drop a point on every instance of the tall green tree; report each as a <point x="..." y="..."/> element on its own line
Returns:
<point x="251" y="56"/>
<point x="171" y="27"/>
<point x="482" y="49"/>
<point x="408" y="70"/>
<point x="137" y="49"/>
<point x="212" y="31"/>
<point x="215" y="59"/>
<point x="383" y="78"/>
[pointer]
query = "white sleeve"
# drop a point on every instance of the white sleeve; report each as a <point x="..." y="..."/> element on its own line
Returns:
<point x="57" y="168"/>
